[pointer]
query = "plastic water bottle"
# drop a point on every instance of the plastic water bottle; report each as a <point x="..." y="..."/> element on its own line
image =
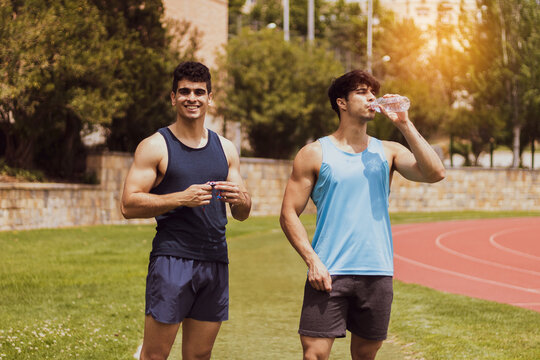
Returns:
<point x="393" y="104"/>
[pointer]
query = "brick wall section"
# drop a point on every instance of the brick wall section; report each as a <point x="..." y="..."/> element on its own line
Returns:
<point x="50" y="205"/>
<point x="469" y="189"/>
<point x="210" y="17"/>
<point x="266" y="180"/>
<point x="29" y="206"/>
<point x="34" y="205"/>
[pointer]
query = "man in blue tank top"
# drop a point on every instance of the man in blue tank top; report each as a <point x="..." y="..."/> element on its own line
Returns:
<point x="350" y="259"/>
<point x="184" y="175"/>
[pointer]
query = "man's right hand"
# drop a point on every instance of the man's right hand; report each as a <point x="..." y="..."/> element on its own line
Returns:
<point x="197" y="195"/>
<point x="319" y="277"/>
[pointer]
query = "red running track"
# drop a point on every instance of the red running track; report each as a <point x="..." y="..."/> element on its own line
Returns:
<point x="494" y="259"/>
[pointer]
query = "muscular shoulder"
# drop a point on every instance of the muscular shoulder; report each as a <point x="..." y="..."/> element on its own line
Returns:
<point x="309" y="157"/>
<point x="311" y="151"/>
<point x="151" y="149"/>
<point x="227" y="145"/>
<point x="392" y="147"/>
<point x="229" y="149"/>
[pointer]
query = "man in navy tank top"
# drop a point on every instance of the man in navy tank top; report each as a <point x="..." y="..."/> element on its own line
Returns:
<point x="350" y="259"/>
<point x="184" y="175"/>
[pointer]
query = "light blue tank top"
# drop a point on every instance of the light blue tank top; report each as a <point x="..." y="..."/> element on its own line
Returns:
<point x="353" y="234"/>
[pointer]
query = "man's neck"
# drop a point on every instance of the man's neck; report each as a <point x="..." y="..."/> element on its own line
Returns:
<point x="190" y="132"/>
<point x="351" y="137"/>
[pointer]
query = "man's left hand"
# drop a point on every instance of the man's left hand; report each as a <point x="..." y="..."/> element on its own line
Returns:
<point x="230" y="192"/>
<point x="398" y="118"/>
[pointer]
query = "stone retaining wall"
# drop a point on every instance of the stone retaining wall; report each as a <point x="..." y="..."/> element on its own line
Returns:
<point x="43" y="205"/>
<point x="470" y="189"/>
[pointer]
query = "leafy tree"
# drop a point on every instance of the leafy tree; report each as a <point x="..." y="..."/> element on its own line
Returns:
<point x="427" y="109"/>
<point x="67" y="66"/>
<point x="448" y="67"/>
<point x="529" y="74"/>
<point x="340" y="23"/>
<point x="345" y="29"/>
<point x="277" y="90"/>
<point x="235" y="15"/>
<point x="57" y="73"/>
<point x="478" y="127"/>
<point x="265" y="12"/>
<point x="503" y="60"/>
<point x="409" y="73"/>
<point x="151" y="50"/>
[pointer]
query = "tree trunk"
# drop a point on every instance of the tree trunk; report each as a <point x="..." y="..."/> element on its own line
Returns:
<point x="509" y="61"/>
<point x="71" y="133"/>
<point x="515" y="146"/>
<point x="491" y="151"/>
<point x="451" y="150"/>
<point x="532" y="153"/>
<point x="19" y="152"/>
<point x="516" y="158"/>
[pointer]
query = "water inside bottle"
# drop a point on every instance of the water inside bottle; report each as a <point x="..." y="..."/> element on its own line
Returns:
<point x="393" y="104"/>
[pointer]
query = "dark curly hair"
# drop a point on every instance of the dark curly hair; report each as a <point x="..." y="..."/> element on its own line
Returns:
<point x="343" y="85"/>
<point x="192" y="71"/>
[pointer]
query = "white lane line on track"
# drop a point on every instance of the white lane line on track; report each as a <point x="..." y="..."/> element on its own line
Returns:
<point x="473" y="258"/>
<point x="512" y="251"/>
<point x="407" y="230"/>
<point x="465" y="276"/>
<point x="526" y="304"/>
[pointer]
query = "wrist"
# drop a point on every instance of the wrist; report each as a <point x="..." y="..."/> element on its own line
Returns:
<point x="177" y="199"/>
<point x="406" y="126"/>
<point x="311" y="260"/>
<point x="242" y="200"/>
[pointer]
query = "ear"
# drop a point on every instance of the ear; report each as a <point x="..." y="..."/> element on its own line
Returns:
<point x="173" y="98"/>
<point x="342" y="104"/>
<point x="210" y="98"/>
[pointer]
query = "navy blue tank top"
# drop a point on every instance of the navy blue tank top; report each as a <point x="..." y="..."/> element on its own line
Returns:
<point x="193" y="233"/>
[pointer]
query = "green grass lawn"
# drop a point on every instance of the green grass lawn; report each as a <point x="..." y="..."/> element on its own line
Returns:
<point x="78" y="293"/>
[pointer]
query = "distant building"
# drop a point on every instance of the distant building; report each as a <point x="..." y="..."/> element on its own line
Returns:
<point x="424" y="12"/>
<point x="210" y="17"/>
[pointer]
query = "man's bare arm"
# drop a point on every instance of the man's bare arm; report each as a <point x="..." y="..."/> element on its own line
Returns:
<point x="138" y="202"/>
<point x="296" y="196"/>
<point x="233" y="191"/>
<point x="421" y="163"/>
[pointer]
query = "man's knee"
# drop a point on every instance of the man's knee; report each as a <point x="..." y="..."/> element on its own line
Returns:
<point x="365" y="350"/>
<point x="316" y="348"/>
<point x="148" y="355"/>
<point x="198" y="354"/>
<point x="314" y="355"/>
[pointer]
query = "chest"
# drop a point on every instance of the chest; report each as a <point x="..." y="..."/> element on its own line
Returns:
<point x="183" y="166"/>
<point x="354" y="170"/>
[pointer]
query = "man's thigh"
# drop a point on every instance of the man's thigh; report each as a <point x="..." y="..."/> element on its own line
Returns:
<point x="158" y="338"/>
<point x="360" y="304"/>
<point x="211" y="286"/>
<point x="178" y="288"/>
<point x="198" y="338"/>
<point x="370" y="306"/>
<point x="169" y="295"/>
<point x="324" y="315"/>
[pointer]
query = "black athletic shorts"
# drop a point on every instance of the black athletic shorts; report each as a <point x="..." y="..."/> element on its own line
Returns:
<point x="358" y="303"/>
<point x="178" y="288"/>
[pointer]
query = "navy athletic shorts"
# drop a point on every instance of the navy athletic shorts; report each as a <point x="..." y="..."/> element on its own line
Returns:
<point x="358" y="303"/>
<point x="178" y="288"/>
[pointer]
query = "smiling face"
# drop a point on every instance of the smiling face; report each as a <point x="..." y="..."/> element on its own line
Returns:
<point x="191" y="100"/>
